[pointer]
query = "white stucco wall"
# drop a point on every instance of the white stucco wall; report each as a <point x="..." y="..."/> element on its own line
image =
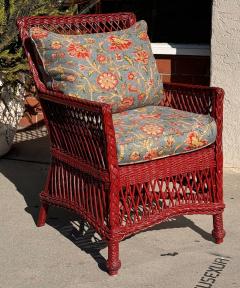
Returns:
<point x="225" y="72"/>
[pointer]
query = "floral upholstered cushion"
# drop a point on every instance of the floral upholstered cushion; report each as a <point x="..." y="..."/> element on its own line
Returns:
<point x="114" y="67"/>
<point x="153" y="132"/>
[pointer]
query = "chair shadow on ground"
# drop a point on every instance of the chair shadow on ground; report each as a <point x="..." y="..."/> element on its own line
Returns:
<point x="29" y="179"/>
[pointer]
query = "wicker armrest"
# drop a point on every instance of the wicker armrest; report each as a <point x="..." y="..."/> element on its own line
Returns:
<point x="83" y="137"/>
<point x="194" y="98"/>
<point x="80" y="131"/>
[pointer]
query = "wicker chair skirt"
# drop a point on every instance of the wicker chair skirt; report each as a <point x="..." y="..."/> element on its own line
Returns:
<point x="149" y="192"/>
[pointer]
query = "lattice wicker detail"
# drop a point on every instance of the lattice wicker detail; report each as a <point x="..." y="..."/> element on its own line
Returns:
<point x="84" y="142"/>
<point x="143" y="200"/>
<point x="84" y="175"/>
<point x="79" y="192"/>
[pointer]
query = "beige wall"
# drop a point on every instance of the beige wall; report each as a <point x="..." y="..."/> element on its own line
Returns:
<point x="225" y="72"/>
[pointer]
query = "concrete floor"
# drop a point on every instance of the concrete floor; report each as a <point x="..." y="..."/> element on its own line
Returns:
<point x="173" y="254"/>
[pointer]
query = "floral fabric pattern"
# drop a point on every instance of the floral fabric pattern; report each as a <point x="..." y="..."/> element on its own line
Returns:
<point x="154" y="132"/>
<point x="117" y="68"/>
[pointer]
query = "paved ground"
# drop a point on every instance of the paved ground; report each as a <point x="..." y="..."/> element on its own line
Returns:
<point x="173" y="254"/>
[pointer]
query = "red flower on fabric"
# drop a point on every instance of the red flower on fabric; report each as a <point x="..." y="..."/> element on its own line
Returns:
<point x="131" y="75"/>
<point x="57" y="55"/>
<point x="126" y="103"/>
<point x="132" y="89"/>
<point x="135" y="156"/>
<point x="38" y="33"/>
<point x="170" y="141"/>
<point x="141" y="96"/>
<point x="194" y="141"/>
<point x="118" y="56"/>
<point x="56" y="45"/>
<point x="118" y="43"/>
<point x="151" y="154"/>
<point x="152" y="129"/>
<point x="101" y="58"/>
<point x="150" y="116"/>
<point x="143" y="36"/>
<point x="78" y="50"/>
<point x="141" y="56"/>
<point x="107" y="80"/>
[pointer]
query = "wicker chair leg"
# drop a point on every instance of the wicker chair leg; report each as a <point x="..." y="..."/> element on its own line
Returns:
<point x="113" y="262"/>
<point x="42" y="216"/>
<point x="218" y="231"/>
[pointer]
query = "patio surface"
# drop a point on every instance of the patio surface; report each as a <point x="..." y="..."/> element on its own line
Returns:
<point x="66" y="253"/>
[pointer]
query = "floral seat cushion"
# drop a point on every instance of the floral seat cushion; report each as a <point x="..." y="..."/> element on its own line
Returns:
<point x="154" y="132"/>
<point x="114" y="67"/>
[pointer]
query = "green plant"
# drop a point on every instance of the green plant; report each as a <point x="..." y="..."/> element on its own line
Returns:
<point x="13" y="66"/>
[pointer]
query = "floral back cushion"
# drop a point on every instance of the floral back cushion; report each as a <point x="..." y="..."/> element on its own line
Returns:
<point x="117" y="68"/>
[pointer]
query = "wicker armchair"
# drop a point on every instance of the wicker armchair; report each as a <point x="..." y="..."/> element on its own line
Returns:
<point x="85" y="175"/>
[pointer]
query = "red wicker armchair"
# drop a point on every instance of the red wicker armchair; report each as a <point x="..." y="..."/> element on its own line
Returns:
<point x="85" y="175"/>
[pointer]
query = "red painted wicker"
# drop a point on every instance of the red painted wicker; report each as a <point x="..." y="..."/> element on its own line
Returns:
<point x="84" y="175"/>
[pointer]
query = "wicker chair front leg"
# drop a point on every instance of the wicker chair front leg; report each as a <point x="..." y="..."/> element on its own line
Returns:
<point x="83" y="138"/>
<point x="113" y="262"/>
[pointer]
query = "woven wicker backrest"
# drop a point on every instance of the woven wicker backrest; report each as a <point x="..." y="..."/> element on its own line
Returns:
<point x="80" y="24"/>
